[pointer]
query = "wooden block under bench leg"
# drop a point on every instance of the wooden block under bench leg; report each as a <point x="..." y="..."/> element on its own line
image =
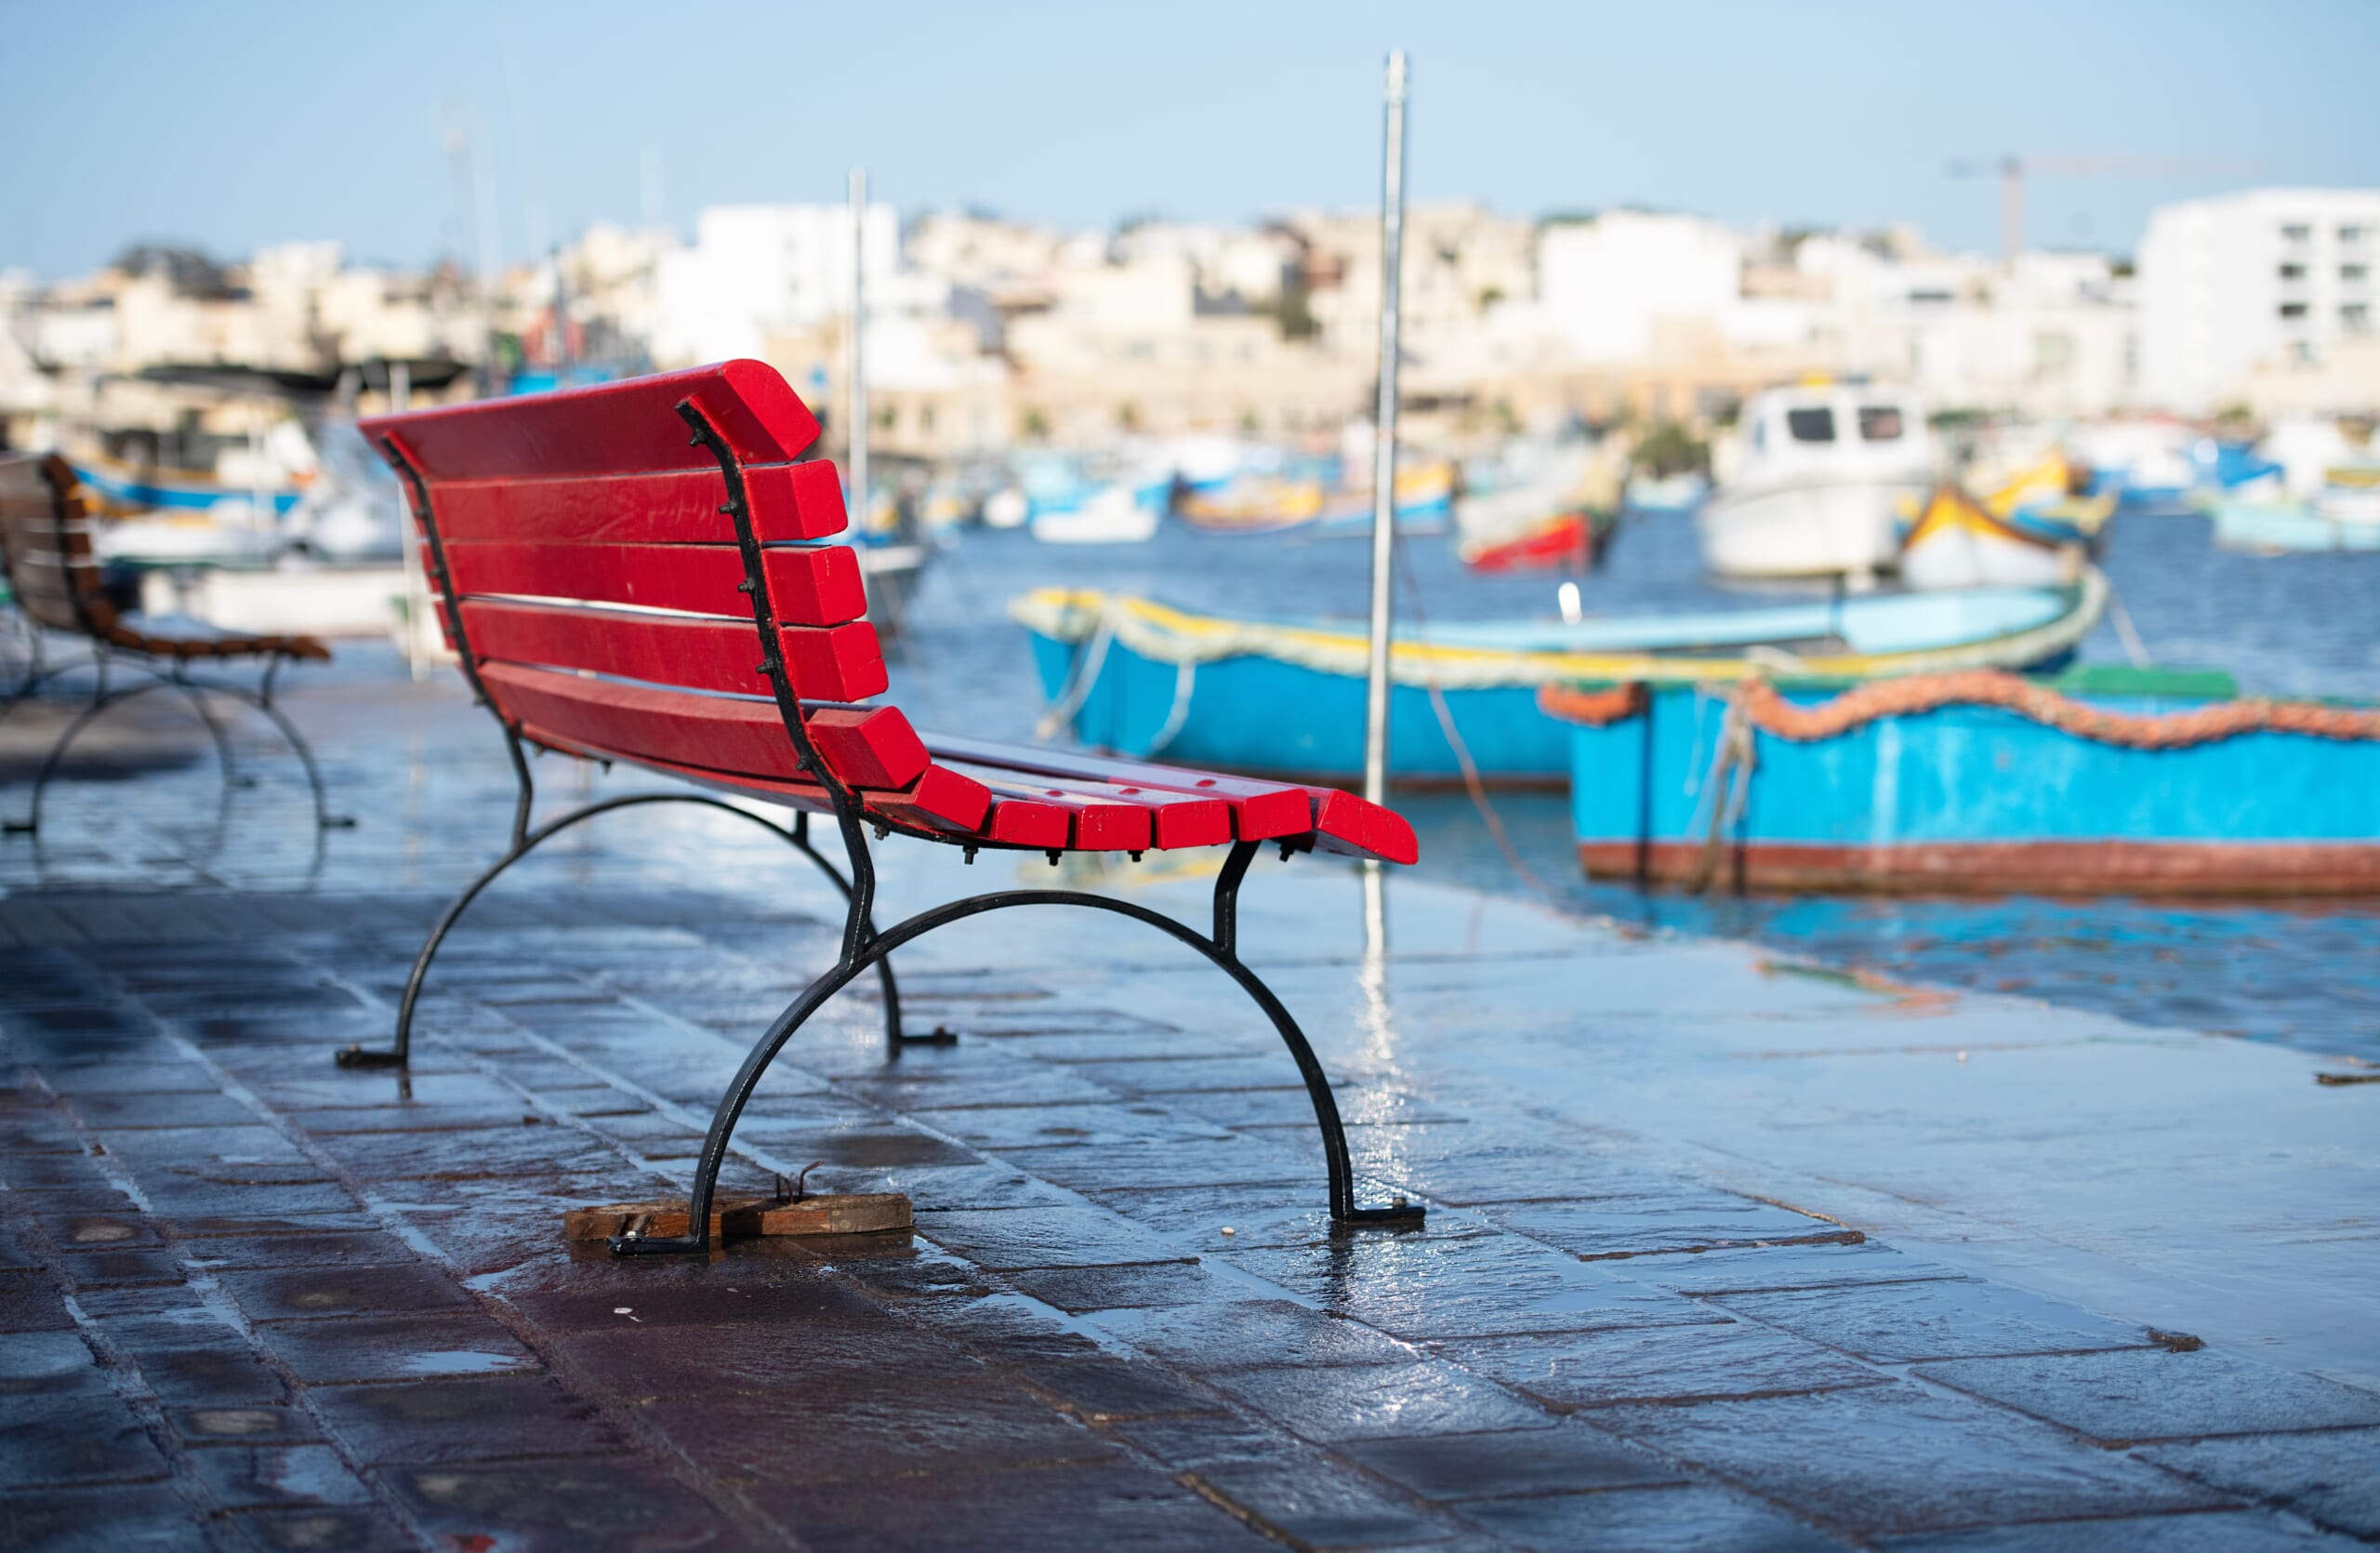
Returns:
<point x="737" y="1219"/>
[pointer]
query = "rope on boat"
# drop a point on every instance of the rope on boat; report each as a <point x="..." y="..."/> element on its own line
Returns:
<point x="1764" y="708"/>
<point x="1730" y="785"/>
<point x="1082" y="674"/>
<point x="1185" y="679"/>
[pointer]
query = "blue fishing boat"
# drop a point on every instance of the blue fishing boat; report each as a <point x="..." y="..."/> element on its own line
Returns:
<point x="125" y="489"/>
<point x="2105" y="780"/>
<point x="2270" y="527"/>
<point x="1143" y="679"/>
<point x="1315" y="498"/>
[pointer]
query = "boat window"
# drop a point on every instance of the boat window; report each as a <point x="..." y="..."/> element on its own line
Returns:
<point x="1880" y="423"/>
<point x="2292" y="310"/>
<point x="1759" y="433"/>
<point x="2296" y="232"/>
<point x="2292" y="271"/>
<point x="2350" y="235"/>
<point x="2354" y="273"/>
<point x="1811" y="425"/>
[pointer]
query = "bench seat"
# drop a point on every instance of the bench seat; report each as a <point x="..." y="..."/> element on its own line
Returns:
<point x="1026" y="798"/>
<point x="975" y="791"/>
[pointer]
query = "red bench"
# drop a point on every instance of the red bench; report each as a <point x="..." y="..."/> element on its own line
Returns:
<point x="45" y="553"/>
<point x="634" y="573"/>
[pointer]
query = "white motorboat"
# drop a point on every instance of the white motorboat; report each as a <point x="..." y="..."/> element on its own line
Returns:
<point x="1112" y="514"/>
<point x="1818" y="482"/>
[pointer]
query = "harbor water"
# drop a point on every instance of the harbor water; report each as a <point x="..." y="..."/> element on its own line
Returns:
<point x="2304" y="625"/>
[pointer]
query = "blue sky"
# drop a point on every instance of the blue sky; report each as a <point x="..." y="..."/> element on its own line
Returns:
<point x="230" y="125"/>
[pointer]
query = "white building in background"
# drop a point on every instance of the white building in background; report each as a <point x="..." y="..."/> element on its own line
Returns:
<point x="2051" y="337"/>
<point x="2252" y="282"/>
<point x="1608" y="285"/>
<point x="756" y="270"/>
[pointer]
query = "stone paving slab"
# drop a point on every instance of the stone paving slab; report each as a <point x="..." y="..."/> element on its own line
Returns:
<point x="2157" y="1394"/>
<point x="2334" y="1478"/>
<point x="253" y="1299"/>
<point x="1898" y="1457"/>
<point x="2212" y="1531"/>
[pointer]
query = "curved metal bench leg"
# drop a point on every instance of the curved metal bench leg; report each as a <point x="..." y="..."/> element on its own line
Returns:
<point x="196" y="695"/>
<point x="731" y="1108"/>
<point x="401" y="1049"/>
<point x="30" y="824"/>
<point x="262" y="702"/>
<point x="37" y="671"/>
<point x="1218" y="950"/>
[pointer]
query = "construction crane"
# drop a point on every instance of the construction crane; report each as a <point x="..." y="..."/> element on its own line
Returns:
<point x="2013" y="170"/>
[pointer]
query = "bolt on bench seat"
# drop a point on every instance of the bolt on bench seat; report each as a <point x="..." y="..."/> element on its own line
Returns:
<point x="46" y="549"/>
<point x="635" y="573"/>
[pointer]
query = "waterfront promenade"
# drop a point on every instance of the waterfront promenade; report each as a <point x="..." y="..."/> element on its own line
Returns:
<point x="1723" y="1252"/>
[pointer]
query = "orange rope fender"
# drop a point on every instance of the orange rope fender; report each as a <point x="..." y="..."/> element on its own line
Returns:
<point x="1596" y="709"/>
<point x="1772" y="713"/>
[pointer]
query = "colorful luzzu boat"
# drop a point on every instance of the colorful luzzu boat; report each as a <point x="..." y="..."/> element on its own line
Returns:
<point x="1140" y="678"/>
<point x="2342" y="514"/>
<point x="2032" y="529"/>
<point x="2107" y="780"/>
<point x="1264" y="503"/>
<point x="126" y="489"/>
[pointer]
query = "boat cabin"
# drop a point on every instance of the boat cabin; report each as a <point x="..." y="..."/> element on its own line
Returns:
<point x="1834" y="429"/>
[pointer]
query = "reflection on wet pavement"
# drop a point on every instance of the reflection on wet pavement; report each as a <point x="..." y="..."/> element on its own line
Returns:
<point x="1717" y="1256"/>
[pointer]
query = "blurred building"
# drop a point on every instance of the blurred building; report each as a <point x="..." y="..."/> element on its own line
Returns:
<point x="754" y="270"/>
<point x="2269" y="283"/>
<point x="985" y="332"/>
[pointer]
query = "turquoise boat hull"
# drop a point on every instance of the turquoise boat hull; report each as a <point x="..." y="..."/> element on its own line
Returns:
<point x="1968" y="798"/>
<point x="2288" y="526"/>
<point x="136" y="493"/>
<point x="1264" y="715"/>
<point x="1287" y="698"/>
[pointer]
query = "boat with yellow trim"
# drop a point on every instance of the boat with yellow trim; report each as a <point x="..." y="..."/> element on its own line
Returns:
<point x="2033" y="529"/>
<point x="1264" y="503"/>
<point x="1143" y="678"/>
<point x="1253" y="504"/>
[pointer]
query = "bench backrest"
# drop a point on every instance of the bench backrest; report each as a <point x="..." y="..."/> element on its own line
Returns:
<point x="591" y="571"/>
<point x="45" y="520"/>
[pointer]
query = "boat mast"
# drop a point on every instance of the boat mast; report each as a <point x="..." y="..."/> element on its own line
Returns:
<point x="856" y="395"/>
<point x="1392" y="256"/>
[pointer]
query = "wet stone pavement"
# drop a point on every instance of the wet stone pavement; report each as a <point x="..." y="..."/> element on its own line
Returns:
<point x="249" y="1299"/>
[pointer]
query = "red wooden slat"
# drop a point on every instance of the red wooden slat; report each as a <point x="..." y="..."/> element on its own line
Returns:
<point x="941" y="798"/>
<point x="868" y="747"/>
<point x="1261" y="810"/>
<point x="718" y="732"/>
<point x="631" y="425"/>
<point x="1096" y="824"/>
<point x="940" y="802"/>
<point x="1346" y="824"/>
<point x="833" y="663"/>
<point x="790" y="503"/>
<point x="702" y="578"/>
<point x="1024" y="822"/>
<point x="808" y="586"/>
<point x="816" y="586"/>
<point x="1176" y="819"/>
<point x="793" y="795"/>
